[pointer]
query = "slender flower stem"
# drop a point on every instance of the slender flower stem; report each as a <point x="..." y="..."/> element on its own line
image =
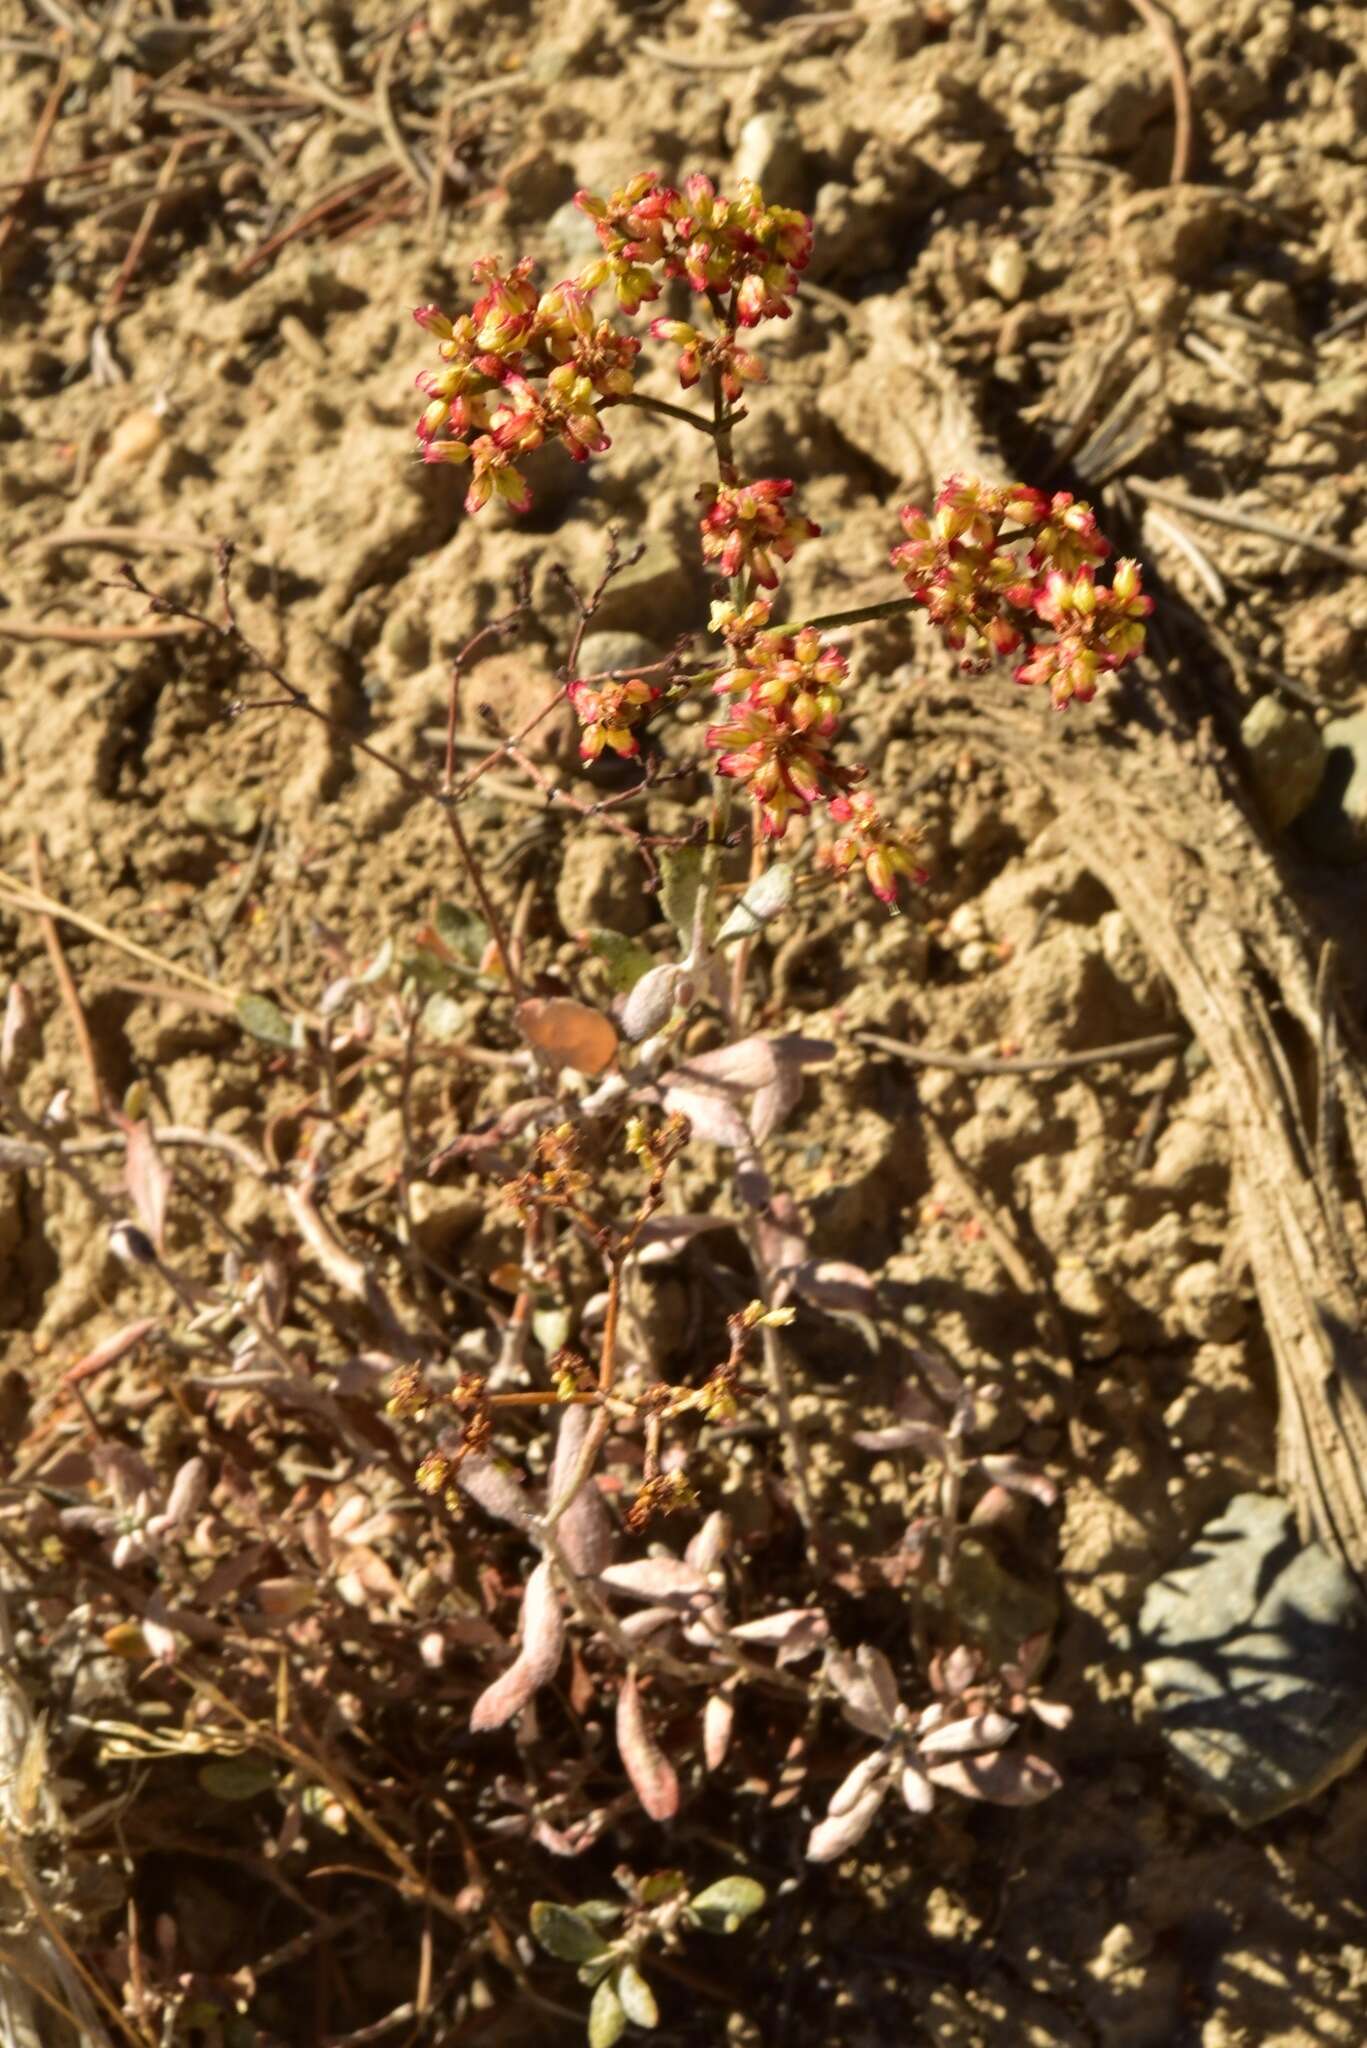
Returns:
<point x="890" y="608"/>
<point x="672" y="412"/>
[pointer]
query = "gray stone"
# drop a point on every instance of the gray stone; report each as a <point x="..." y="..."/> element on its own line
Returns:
<point x="1255" y="1649"/>
<point x="1285" y="759"/>
<point x="769" y="150"/>
<point x="1335" y="826"/>
<point x="601" y="886"/>
<point x="600" y="651"/>
<point x="570" y="238"/>
<point x="661" y="590"/>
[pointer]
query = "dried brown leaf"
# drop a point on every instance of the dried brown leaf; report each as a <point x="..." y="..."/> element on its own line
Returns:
<point x="652" y="1776"/>
<point x="568" y="1034"/>
<point x="543" y="1639"/>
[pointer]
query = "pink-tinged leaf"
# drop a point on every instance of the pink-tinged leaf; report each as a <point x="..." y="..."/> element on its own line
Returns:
<point x="958" y="1670"/>
<point x="965" y="1737"/>
<point x="997" y="1508"/>
<point x="1031" y="1658"/>
<point x="111" y="1350"/>
<point x="161" y="1640"/>
<point x="718" y="1721"/>
<point x="496" y="1488"/>
<point x="867" y="1689"/>
<point x="868" y="1772"/>
<point x="712" y="1115"/>
<point x="924" y="1437"/>
<point x="946" y="1382"/>
<point x="774" y="1102"/>
<point x="916" y="1789"/>
<point x="189" y="1491"/>
<point x="652" y="1776"/>
<point x="836" y="1284"/>
<point x="648" y="1621"/>
<point x="543" y="1639"/>
<point x="17" y="1026"/>
<point x="585" y="1527"/>
<point x="836" y="1834"/>
<point x="794" y="1633"/>
<point x="1053" y="1713"/>
<point x="665" y="1579"/>
<point x="285" y="1599"/>
<point x="568" y="1034"/>
<point x="1005" y="1779"/>
<point x="666" y="1237"/>
<point x="148" y="1180"/>
<point x="749" y="1063"/>
<point x="782" y="1242"/>
<point x="707" y="1549"/>
<point x="1018" y="1477"/>
<point x="650" y="1004"/>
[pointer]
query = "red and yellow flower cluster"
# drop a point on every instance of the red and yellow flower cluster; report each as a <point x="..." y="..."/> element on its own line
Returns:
<point x="523" y="366"/>
<point x="986" y="600"/>
<point x="484" y="407"/>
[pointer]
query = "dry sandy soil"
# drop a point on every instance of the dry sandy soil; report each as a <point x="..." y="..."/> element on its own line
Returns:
<point x="1023" y="259"/>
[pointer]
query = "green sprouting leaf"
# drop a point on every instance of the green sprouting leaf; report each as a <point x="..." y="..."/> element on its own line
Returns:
<point x="565" y="1933"/>
<point x="379" y="966"/>
<point x="763" y="900"/>
<point x="237" y="1777"/>
<point x="463" y="931"/>
<point x="680" y="880"/>
<point x="723" y="1906"/>
<point x="602" y="1912"/>
<point x="662" y="1885"/>
<point x="625" y="959"/>
<point x="607" y="2021"/>
<point x="551" y="1326"/>
<point x="443" y="1018"/>
<point x="636" y="1997"/>
<point x="264" y="1020"/>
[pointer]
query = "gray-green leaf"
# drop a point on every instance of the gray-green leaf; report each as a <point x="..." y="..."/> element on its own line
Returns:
<point x="763" y="900"/>
<point x="565" y="1933"/>
<point x="723" y="1906"/>
<point x="626" y="959"/>
<point x="264" y="1020"/>
<point x="607" y="2021"/>
<point x="237" y="1777"/>
<point x="680" y="881"/>
<point x="463" y="931"/>
<point x="443" y="1018"/>
<point x="638" y="2000"/>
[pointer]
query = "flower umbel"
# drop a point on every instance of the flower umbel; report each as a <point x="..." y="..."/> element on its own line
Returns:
<point x="748" y="529"/>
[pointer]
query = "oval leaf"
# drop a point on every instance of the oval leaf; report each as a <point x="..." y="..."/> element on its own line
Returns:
<point x="763" y="900"/>
<point x="563" y="1932"/>
<point x="607" y="2021"/>
<point x="637" y="1998"/>
<point x="723" y="1906"/>
<point x="963" y="1738"/>
<point x="585" y="1527"/>
<point x="568" y="1034"/>
<point x="649" y="1006"/>
<point x="1004" y="1779"/>
<point x="680" y="881"/>
<point x="543" y="1638"/>
<point x="652" y="1776"/>
<point x="264" y="1020"/>
<point x="660" y="1578"/>
<point x="834" y="1835"/>
<point x="718" y="1720"/>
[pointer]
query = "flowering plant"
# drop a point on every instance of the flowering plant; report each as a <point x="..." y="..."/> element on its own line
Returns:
<point x="691" y="1655"/>
<point x="1004" y="571"/>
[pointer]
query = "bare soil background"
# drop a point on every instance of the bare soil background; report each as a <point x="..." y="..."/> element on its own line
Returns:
<point x="213" y="339"/>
